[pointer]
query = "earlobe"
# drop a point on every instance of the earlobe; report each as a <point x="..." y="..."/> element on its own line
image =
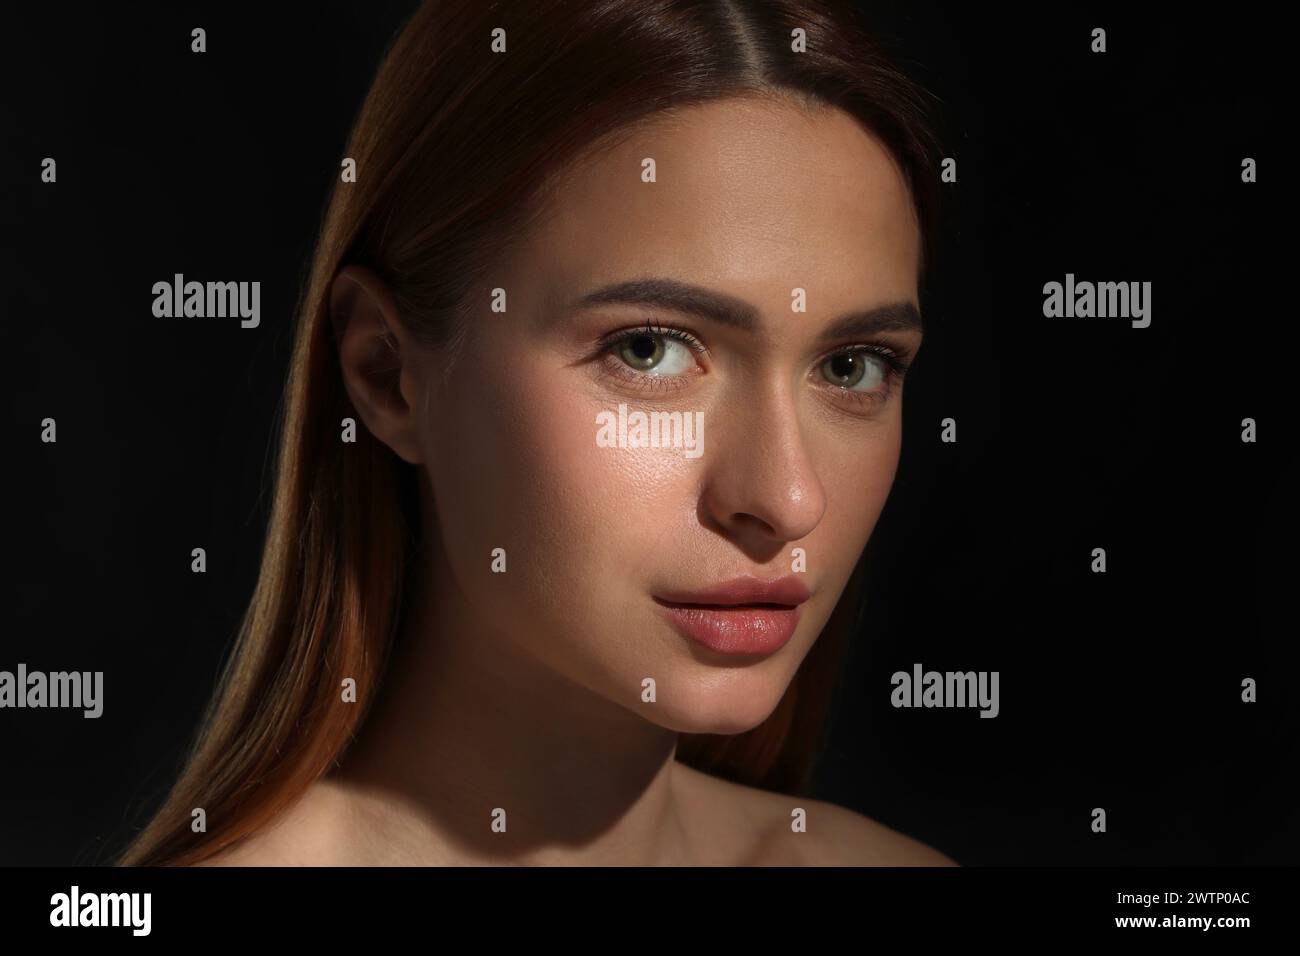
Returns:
<point x="373" y="356"/>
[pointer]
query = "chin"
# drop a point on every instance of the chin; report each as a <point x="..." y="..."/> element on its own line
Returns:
<point x="730" y="706"/>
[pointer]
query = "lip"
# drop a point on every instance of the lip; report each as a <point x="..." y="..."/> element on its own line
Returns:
<point x="743" y="616"/>
<point x="788" y="591"/>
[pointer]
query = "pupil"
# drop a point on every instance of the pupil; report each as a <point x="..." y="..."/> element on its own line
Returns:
<point x="643" y="347"/>
<point x="843" y="365"/>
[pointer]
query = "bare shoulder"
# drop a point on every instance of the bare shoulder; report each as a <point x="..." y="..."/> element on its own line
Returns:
<point x="298" y="836"/>
<point x="763" y="833"/>
<point x="838" y="836"/>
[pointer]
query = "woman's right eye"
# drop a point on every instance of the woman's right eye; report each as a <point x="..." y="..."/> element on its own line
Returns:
<point x="654" y="353"/>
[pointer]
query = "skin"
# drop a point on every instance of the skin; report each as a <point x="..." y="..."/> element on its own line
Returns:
<point x="523" y="690"/>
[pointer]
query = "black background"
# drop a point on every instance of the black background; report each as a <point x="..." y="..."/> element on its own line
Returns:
<point x="1118" y="690"/>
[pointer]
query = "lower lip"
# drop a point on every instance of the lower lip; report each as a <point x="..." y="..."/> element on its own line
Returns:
<point x="738" y="630"/>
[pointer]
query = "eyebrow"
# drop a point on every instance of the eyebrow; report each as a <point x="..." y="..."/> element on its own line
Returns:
<point x="737" y="313"/>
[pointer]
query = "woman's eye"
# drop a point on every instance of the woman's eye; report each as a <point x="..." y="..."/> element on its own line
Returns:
<point x="855" y="371"/>
<point x="655" y="354"/>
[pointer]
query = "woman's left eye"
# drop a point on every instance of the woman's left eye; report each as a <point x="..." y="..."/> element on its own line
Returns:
<point x="856" y="371"/>
<point x="654" y="353"/>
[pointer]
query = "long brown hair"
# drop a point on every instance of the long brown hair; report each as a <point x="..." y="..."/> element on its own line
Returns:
<point x="451" y="145"/>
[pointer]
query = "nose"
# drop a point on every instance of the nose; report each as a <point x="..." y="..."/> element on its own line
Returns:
<point x="761" y="489"/>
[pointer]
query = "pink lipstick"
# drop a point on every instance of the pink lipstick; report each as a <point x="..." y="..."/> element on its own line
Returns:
<point x="746" y="615"/>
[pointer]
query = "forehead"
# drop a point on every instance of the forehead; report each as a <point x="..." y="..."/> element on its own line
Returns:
<point x="755" y="196"/>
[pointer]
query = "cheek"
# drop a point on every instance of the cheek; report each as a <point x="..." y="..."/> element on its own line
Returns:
<point x="515" y="464"/>
<point x="858" y="475"/>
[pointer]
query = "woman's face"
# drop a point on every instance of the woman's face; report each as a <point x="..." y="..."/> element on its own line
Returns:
<point x="606" y="543"/>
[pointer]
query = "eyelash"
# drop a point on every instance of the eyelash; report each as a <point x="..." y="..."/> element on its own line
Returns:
<point x="621" y="369"/>
<point x="896" y="365"/>
<point x="895" y="368"/>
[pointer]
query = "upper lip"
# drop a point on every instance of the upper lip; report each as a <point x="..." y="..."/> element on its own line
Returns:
<point x="785" y="591"/>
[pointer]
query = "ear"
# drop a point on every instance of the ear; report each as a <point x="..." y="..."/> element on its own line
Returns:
<point x="378" y="359"/>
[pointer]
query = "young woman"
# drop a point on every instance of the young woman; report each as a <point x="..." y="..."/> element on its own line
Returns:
<point x="595" y="401"/>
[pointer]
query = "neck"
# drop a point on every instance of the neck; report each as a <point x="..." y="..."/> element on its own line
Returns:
<point x="469" y="724"/>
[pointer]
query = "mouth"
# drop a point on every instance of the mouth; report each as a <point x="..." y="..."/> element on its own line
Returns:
<point x="745" y="616"/>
